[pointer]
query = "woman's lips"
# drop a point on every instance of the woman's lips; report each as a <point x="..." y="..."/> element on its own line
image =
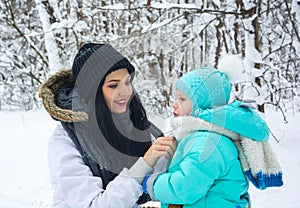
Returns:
<point x="122" y="102"/>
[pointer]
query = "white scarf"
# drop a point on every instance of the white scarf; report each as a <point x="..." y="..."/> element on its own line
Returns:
<point x="258" y="161"/>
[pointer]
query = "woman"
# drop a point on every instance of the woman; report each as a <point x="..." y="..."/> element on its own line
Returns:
<point x="103" y="148"/>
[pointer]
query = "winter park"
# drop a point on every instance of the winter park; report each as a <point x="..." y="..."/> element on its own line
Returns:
<point x="56" y="55"/>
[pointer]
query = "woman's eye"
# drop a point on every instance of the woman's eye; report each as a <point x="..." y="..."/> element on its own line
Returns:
<point x="113" y="86"/>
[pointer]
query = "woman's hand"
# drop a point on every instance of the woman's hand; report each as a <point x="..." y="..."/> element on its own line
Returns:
<point x="163" y="146"/>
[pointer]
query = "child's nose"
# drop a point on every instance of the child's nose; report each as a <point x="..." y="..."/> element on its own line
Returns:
<point x="174" y="105"/>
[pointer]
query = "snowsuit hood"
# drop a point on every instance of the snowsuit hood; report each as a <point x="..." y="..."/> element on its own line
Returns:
<point x="239" y="118"/>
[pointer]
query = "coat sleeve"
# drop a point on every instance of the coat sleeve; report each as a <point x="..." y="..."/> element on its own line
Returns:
<point x="192" y="179"/>
<point x="74" y="184"/>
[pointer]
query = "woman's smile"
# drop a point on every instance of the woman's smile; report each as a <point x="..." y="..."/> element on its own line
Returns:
<point x="122" y="102"/>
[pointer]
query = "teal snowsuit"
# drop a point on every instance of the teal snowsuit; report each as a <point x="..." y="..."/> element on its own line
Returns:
<point x="205" y="171"/>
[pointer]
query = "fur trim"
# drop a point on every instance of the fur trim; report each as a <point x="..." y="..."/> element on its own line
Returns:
<point x="47" y="94"/>
<point x="232" y="66"/>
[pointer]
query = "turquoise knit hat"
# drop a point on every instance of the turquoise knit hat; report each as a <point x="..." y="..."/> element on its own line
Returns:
<point x="205" y="87"/>
<point x="209" y="87"/>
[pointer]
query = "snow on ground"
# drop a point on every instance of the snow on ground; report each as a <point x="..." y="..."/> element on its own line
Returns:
<point x="24" y="174"/>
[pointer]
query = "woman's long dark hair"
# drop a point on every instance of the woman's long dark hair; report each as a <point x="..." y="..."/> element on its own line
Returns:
<point x="132" y="147"/>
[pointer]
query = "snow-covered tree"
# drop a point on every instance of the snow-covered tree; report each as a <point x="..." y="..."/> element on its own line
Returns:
<point x="162" y="38"/>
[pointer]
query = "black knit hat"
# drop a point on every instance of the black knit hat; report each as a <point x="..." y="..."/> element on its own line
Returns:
<point x="93" y="63"/>
<point x="81" y="57"/>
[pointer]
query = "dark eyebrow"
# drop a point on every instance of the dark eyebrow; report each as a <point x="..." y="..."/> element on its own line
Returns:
<point x="113" y="80"/>
<point x="118" y="80"/>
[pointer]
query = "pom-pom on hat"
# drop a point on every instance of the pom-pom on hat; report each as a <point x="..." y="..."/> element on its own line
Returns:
<point x="93" y="63"/>
<point x="209" y="87"/>
<point x="232" y="66"/>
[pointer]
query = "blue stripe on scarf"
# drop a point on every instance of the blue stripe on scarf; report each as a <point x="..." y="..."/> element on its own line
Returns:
<point x="263" y="181"/>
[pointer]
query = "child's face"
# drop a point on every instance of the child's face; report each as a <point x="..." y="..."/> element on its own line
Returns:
<point x="182" y="105"/>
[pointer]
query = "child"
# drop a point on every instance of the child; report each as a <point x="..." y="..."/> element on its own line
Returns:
<point x="205" y="170"/>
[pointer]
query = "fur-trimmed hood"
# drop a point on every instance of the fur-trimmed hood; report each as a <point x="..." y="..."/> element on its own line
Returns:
<point x="48" y="93"/>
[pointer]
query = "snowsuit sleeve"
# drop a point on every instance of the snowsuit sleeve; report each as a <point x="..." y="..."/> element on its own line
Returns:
<point x="198" y="168"/>
<point x="74" y="184"/>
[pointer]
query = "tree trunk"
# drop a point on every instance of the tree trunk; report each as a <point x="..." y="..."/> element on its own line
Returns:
<point x="256" y="26"/>
<point x="47" y="16"/>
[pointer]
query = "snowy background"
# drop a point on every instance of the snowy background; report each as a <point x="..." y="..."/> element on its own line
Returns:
<point x="162" y="39"/>
<point x="24" y="174"/>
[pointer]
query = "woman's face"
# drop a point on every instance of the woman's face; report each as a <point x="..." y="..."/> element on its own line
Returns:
<point x="182" y="105"/>
<point x="117" y="90"/>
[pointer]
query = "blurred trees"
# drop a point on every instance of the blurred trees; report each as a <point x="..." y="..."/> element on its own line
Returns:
<point x="163" y="39"/>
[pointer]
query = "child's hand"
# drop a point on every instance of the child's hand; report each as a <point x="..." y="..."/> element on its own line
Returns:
<point x="163" y="146"/>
